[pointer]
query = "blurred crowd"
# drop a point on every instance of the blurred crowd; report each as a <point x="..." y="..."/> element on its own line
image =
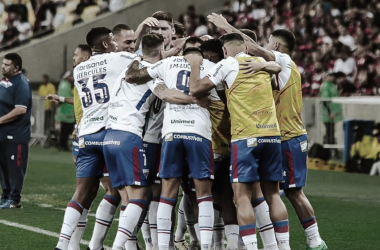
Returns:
<point x="340" y="36"/>
<point x="21" y="20"/>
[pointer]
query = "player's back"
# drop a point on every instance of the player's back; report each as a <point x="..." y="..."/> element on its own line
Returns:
<point x="288" y="98"/>
<point x="94" y="80"/>
<point x="129" y="104"/>
<point x="251" y="105"/>
<point x="189" y="118"/>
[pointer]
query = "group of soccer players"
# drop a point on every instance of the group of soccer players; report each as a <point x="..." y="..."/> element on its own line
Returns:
<point x="219" y="117"/>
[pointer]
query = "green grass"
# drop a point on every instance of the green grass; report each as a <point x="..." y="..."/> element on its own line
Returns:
<point x="346" y="205"/>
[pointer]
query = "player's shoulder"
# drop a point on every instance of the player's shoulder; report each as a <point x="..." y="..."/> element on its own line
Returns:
<point x="207" y="64"/>
<point x="123" y="54"/>
<point x="281" y="56"/>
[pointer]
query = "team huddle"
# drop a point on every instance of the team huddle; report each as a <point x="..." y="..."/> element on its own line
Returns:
<point x="219" y="117"/>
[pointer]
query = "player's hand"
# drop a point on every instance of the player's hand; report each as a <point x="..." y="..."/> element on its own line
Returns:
<point x="74" y="134"/>
<point x="178" y="43"/>
<point x="203" y="102"/>
<point x="53" y="98"/>
<point x="219" y="21"/>
<point x="250" y="67"/>
<point x="150" y="22"/>
<point x="194" y="59"/>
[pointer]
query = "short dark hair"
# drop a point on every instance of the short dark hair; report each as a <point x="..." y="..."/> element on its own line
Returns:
<point x="215" y="46"/>
<point x="249" y="33"/>
<point x="96" y="35"/>
<point x="179" y="29"/>
<point x="287" y="36"/>
<point x="15" y="58"/>
<point x="150" y="42"/>
<point x="118" y="28"/>
<point x="163" y="16"/>
<point x="232" y="37"/>
<point x="85" y="48"/>
<point x="193" y="40"/>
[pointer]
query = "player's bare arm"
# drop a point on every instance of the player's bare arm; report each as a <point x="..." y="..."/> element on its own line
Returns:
<point x="198" y="87"/>
<point x="143" y="28"/>
<point x="57" y="99"/>
<point x="136" y="75"/>
<point x="172" y="96"/>
<point x="251" y="66"/>
<point x="253" y="47"/>
<point x="13" y="115"/>
<point x="177" y="47"/>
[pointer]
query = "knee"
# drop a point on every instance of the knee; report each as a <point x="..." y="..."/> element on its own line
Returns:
<point x="294" y="194"/>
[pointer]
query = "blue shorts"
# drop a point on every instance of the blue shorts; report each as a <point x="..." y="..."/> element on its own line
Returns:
<point x="294" y="157"/>
<point x="153" y="155"/>
<point x="222" y="174"/>
<point x="257" y="158"/>
<point x="180" y="147"/>
<point x="125" y="159"/>
<point x="90" y="159"/>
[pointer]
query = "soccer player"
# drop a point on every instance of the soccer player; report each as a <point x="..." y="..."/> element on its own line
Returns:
<point x="192" y="42"/>
<point x="187" y="137"/>
<point x="294" y="142"/>
<point x="94" y="79"/>
<point x="255" y="153"/>
<point x="125" y="38"/>
<point x="15" y="113"/>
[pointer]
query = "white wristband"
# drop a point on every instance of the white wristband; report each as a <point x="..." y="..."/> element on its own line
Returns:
<point x="61" y="99"/>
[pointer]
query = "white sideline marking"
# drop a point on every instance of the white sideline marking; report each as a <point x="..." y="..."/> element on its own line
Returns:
<point x="41" y="231"/>
<point x="64" y="209"/>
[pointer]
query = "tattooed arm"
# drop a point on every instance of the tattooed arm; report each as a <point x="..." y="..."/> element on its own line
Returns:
<point x="136" y="75"/>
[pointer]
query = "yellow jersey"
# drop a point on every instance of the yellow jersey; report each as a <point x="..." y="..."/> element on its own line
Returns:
<point x="220" y="128"/>
<point x="44" y="90"/>
<point x="288" y="98"/>
<point x="77" y="107"/>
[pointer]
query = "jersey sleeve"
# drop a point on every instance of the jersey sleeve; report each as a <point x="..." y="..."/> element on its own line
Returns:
<point x="285" y="62"/>
<point x="123" y="59"/>
<point x="154" y="83"/>
<point x="22" y="95"/>
<point x="158" y="69"/>
<point x="220" y="71"/>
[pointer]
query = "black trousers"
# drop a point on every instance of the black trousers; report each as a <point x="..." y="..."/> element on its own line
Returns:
<point x="330" y="133"/>
<point x="13" y="163"/>
<point x="66" y="130"/>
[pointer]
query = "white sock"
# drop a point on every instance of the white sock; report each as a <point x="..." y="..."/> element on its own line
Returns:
<point x="232" y="236"/>
<point x="206" y="220"/>
<point x="70" y="222"/>
<point x="197" y="231"/>
<point x="153" y="220"/>
<point x="181" y="223"/>
<point x="218" y="234"/>
<point x="164" y="221"/>
<point x="79" y="230"/>
<point x="104" y="217"/>
<point x="248" y="234"/>
<point x="281" y="229"/>
<point x="311" y="230"/>
<point x="189" y="218"/>
<point x="131" y="243"/>
<point x="128" y="222"/>
<point x="145" y="230"/>
<point x="264" y="224"/>
<point x="241" y="244"/>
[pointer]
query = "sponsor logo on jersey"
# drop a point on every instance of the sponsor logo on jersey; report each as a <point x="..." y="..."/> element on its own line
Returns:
<point x="169" y="137"/>
<point x="180" y="121"/>
<point x="272" y="140"/>
<point x="303" y="145"/>
<point x="188" y="137"/>
<point x="178" y="108"/>
<point x="252" y="142"/>
<point x="217" y="70"/>
<point x="94" y="119"/>
<point x="113" y="118"/>
<point x="261" y="112"/>
<point x="5" y="83"/>
<point x="81" y="142"/>
<point x="146" y="172"/>
<point x="274" y="125"/>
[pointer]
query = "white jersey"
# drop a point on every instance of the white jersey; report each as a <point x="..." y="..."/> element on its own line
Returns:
<point x="189" y="118"/>
<point x="153" y="122"/>
<point x="285" y="62"/>
<point x="130" y="103"/>
<point x="94" y="80"/>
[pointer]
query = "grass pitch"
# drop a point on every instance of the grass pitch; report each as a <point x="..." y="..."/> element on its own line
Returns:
<point x="346" y="206"/>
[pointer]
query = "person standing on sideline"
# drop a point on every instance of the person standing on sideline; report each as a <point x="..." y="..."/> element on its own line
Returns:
<point x="65" y="112"/>
<point x="45" y="89"/>
<point x="15" y="112"/>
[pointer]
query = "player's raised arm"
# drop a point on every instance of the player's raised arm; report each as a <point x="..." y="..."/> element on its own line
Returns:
<point x="143" y="28"/>
<point x="198" y="87"/>
<point x="251" y="66"/>
<point x="136" y="75"/>
<point x="57" y="99"/>
<point x="254" y="48"/>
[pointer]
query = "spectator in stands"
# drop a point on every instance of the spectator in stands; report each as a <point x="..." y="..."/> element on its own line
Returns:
<point x="331" y="112"/>
<point x="10" y="36"/>
<point x="201" y="26"/>
<point x="364" y="152"/>
<point x="115" y="5"/>
<point x="45" y="89"/>
<point x="180" y="31"/>
<point x="43" y="24"/>
<point x="346" y="63"/>
<point x="20" y="9"/>
<point x="346" y="88"/>
<point x="363" y="85"/>
<point x="65" y="112"/>
<point x="24" y="28"/>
